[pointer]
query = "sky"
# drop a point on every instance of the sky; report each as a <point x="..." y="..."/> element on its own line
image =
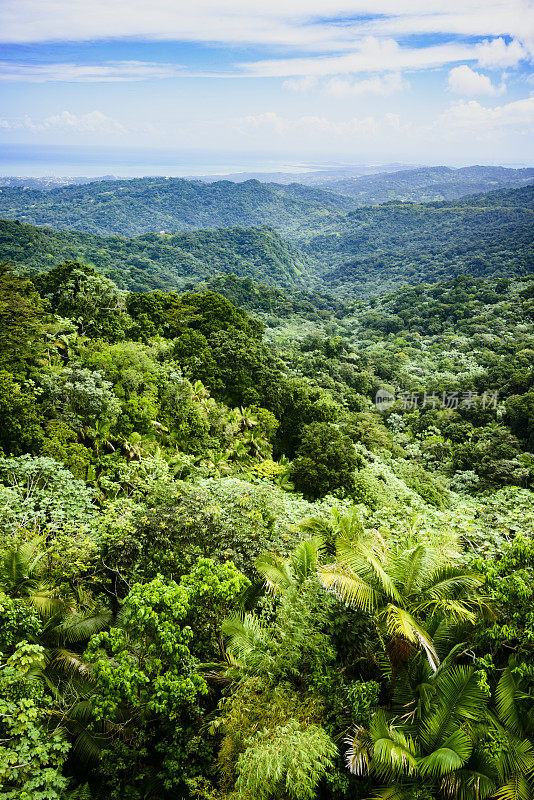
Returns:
<point x="306" y="81"/>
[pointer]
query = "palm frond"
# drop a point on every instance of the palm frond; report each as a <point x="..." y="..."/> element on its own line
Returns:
<point x="368" y="560"/>
<point x="393" y="755"/>
<point x="275" y="571"/>
<point x="394" y="793"/>
<point x="348" y="586"/>
<point x="412" y="567"/>
<point x="400" y="623"/>
<point x="87" y="746"/>
<point x="452" y="581"/>
<point x="451" y="756"/>
<point x="248" y="644"/>
<point x="322" y="527"/>
<point x="452" y="610"/>
<point x="69" y="663"/>
<point x="45" y="603"/>
<point x="360" y="753"/>
<point x="459" y="698"/>
<point x="516" y="757"/>
<point x="412" y="563"/>
<point x="518" y="787"/>
<point x="507" y="695"/>
<point x="305" y="556"/>
<point x="467" y="784"/>
<point x="80" y="627"/>
<point x="449" y="636"/>
<point x="20" y="564"/>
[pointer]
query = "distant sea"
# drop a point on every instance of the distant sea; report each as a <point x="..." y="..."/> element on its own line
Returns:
<point x="54" y="160"/>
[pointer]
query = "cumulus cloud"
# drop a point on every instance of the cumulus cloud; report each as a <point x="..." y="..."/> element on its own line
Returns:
<point x="464" y="80"/>
<point x="498" y="53"/>
<point x="109" y="71"/>
<point x="472" y="117"/>
<point x="92" y="122"/>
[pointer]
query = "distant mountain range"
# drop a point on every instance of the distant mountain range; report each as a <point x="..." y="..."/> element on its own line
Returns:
<point x="143" y="205"/>
<point x="429" y="183"/>
<point x="289" y="236"/>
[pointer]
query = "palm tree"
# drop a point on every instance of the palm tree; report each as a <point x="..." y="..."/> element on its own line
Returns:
<point x="68" y="623"/>
<point x="257" y="648"/>
<point x="514" y="723"/>
<point x="348" y="526"/>
<point x="287" y="575"/>
<point x="249" y="643"/>
<point x="442" y="735"/>
<point x="402" y="588"/>
<point x="22" y="575"/>
<point x="431" y="745"/>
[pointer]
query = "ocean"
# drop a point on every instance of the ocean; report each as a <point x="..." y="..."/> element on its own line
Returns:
<point x="70" y="161"/>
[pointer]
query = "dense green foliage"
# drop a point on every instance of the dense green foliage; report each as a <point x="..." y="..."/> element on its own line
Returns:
<point x="377" y="248"/>
<point x="227" y="571"/>
<point x="129" y="207"/>
<point x="160" y="261"/>
<point x="367" y="250"/>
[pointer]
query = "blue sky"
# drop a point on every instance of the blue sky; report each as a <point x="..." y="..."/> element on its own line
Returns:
<point x="332" y="80"/>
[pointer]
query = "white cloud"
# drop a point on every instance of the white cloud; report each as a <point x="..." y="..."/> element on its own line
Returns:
<point x="464" y="80"/>
<point x="497" y="53"/>
<point x="92" y="122"/>
<point x="84" y="73"/>
<point x="371" y="55"/>
<point x="343" y="87"/>
<point x="340" y="36"/>
<point x="386" y="85"/>
<point x="471" y="117"/>
<point x="313" y="24"/>
<point x="312" y="129"/>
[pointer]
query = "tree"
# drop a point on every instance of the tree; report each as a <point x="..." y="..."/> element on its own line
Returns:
<point x="287" y="761"/>
<point x="402" y="589"/>
<point x="325" y="462"/>
<point x="92" y="301"/>
<point x="442" y="736"/>
<point x="21" y="418"/>
<point x="41" y="498"/>
<point x="21" y="320"/>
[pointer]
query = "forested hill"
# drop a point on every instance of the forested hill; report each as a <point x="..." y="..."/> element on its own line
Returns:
<point x="156" y="261"/>
<point x="381" y="247"/>
<point x="367" y="250"/>
<point x="130" y="207"/>
<point x="427" y="184"/>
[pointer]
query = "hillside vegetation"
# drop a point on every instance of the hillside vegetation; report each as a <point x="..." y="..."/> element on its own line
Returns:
<point x="368" y="250"/>
<point x="379" y="247"/>
<point x="159" y="261"/>
<point x="260" y="541"/>
<point x="129" y="207"/>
